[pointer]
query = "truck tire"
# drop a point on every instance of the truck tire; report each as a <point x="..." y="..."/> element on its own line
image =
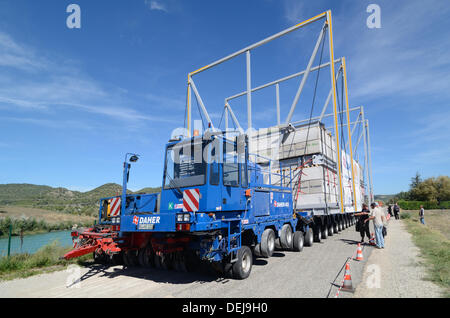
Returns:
<point x="100" y="258"/>
<point x="146" y="257"/>
<point x="340" y="227"/>
<point x="286" y="237"/>
<point x="298" y="241"/>
<point x="335" y="228"/>
<point x="130" y="258"/>
<point x="317" y="234"/>
<point x="257" y="250"/>
<point x="267" y="243"/>
<point x="117" y="259"/>
<point x="330" y="230"/>
<point x="325" y="232"/>
<point x="309" y="237"/>
<point x="243" y="266"/>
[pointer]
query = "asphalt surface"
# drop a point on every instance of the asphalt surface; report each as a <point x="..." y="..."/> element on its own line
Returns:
<point x="317" y="271"/>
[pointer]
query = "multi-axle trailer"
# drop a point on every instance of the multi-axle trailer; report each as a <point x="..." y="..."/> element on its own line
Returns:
<point x="228" y="196"/>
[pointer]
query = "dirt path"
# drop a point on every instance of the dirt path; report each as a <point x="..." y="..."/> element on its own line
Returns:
<point x="397" y="271"/>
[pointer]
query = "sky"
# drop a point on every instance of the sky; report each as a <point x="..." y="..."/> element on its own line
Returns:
<point x="74" y="101"/>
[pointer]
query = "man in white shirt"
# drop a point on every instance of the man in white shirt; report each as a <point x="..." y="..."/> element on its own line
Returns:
<point x="378" y="217"/>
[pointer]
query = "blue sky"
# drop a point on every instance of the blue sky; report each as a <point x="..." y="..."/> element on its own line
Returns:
<point x="74" y="101"/>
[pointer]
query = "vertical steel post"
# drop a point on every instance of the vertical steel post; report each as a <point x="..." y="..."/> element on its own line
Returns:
<point x="348" y="130"/>
<point x="226" y="117"/>
<point x="333" y="84"/>
<point x="249" y="91"/>
<point x="277" y="91"/>
<point x="366" y="155"/>
<point x="9" y="239"/>
<point x="372" y="199"/>
<point x="188" y="103"/>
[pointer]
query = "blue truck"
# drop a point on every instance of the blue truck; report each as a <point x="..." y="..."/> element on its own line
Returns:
<point x="214" y="208"/>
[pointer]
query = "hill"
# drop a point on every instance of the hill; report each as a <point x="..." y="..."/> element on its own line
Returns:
<point x="384" y="197"/>
<point x="60" y="199"/>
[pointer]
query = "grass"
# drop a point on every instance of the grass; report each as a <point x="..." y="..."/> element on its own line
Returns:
<point x="433" y="242"/>
<point x="46" y="259"/>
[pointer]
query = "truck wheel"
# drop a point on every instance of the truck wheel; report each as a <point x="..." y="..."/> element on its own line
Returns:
<point x="146" y="257"/>
<point x="243" y="266"/>
<point x="100" y="258"/>
<point x="130" y="258"/>
<point x="257" y="250"/>
<point x="330" y="230"/>
<point x="298" y="241"/>
<point x="309" y="237"/>
<point x="335" y="228"/>
<point x="117" y="259"/>
<point x="325" y="232"/>
<point x="340" y="226"/>
<point x="317" y="234"/>
<point x="267" y="243"/>
<point x="286" y="237"/>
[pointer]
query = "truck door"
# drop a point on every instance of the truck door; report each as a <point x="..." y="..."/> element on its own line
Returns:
<point x="233" y="197"/>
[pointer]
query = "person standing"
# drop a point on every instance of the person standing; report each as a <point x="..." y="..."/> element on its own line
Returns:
<point x="363" y="226"/>
<point x="422" y="215"/>
<point x="390" y="209"/>
<point x="377" y="215"/>
<point x="396" y="211"/>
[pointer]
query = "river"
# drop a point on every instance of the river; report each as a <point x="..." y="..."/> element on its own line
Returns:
<point x="31" y="243"/>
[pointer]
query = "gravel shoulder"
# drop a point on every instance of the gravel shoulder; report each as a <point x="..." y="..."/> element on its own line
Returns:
<point x="397" y="271"/>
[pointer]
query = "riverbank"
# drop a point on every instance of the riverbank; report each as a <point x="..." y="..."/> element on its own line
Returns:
<point x="46" y="259"/>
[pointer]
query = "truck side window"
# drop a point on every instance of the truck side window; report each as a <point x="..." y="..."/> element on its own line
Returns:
<point x="214" y="173"/>
<point x="230" y="165"/>
<point x="244" y="180"/>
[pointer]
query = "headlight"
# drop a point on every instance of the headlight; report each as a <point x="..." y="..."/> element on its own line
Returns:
<point x="186" y="217"/>
<point x="179" y="217"/>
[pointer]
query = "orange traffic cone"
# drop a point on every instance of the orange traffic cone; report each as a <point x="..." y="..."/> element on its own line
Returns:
<point x="347" y="279"/>
<point x="359" y="255"/>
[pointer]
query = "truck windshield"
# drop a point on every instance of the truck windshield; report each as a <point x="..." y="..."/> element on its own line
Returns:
<point x="184" y="165"/>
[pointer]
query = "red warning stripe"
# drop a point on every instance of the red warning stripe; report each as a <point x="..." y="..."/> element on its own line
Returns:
<point x="191" y="198"/>
<point x="115" y="207"/>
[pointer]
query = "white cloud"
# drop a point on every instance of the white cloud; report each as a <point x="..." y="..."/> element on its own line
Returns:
<point x="62" y="86"/>
<point x="155" y="5"/>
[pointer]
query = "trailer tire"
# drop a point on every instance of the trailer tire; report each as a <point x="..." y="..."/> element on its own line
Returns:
<point x="146" y="257"/>
<point x="117" y="259"/>
<point x="100" y="258"/>
<point x="330" y="230"/>
<point x="267" y="243"/>
<point x="317" y="234"/>
<point x="243" y="266"/>
<point x="286" y="237"/>
<point x="325" y="232"/>
<point x="298" y="241"/>
<point x="257" y="250"/>
<point x="130" y="258"/>
<point x="335" y="228"/>
<point x="309" y="237"/>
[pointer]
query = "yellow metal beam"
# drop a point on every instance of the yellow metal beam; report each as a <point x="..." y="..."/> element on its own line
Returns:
<point x="333" y="79"/>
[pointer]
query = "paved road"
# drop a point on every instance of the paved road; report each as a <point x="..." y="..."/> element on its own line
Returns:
<point x="310" y="273"/>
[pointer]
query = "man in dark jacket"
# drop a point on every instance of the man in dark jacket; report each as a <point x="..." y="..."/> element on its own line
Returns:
<point x="363" y="226"/>
<point x="396" y="211"/>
